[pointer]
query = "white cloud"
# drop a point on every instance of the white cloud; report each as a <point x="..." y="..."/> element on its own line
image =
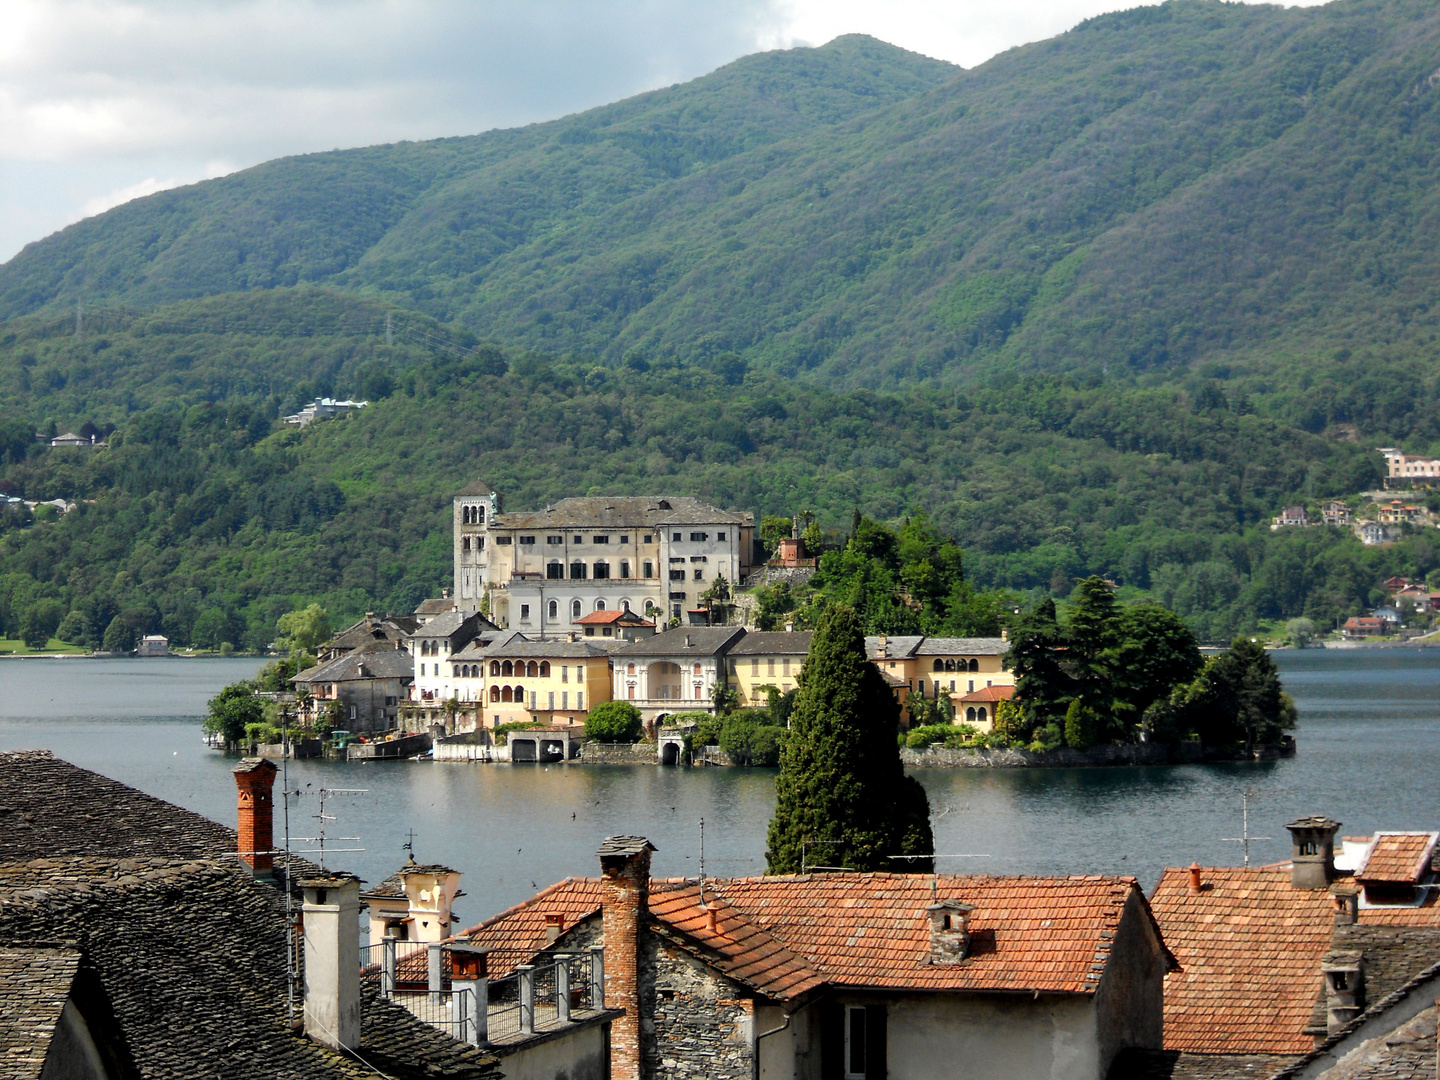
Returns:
<point x="149" y="186"/>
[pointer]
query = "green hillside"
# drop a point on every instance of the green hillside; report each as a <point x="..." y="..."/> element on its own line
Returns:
<point x="1191" y="182"/>
<point x="205" y="518"/>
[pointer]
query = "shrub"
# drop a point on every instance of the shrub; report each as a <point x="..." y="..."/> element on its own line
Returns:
<point x="750" y="740"/>
<point x="1046" y="738"/>
<point x="614" y="722"/>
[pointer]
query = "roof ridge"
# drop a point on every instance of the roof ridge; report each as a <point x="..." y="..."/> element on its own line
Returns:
<point x="515" y="909"/>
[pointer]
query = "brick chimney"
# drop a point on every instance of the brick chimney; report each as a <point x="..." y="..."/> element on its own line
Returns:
<point x="949" y="931"/>
<point x="1312" y="852"/>
<point x="254" y="826"/>
<point x="625" y="896"/>
<point x="332" y="960"/>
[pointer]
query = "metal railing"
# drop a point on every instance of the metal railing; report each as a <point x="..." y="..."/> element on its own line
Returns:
<point x="532" y="998"/>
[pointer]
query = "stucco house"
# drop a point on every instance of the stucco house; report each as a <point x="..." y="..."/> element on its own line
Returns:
<point x="676" y="671"/>
<point x="369" y="683"/>
<point x="766" y="658"/>
<point x="854" y="976"/>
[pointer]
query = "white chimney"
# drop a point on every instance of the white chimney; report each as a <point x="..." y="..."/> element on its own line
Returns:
<point x="332" y="960"/>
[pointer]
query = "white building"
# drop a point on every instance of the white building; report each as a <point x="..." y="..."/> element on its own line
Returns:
<point x="675" y="671"/>
<point x="544" y="570"/>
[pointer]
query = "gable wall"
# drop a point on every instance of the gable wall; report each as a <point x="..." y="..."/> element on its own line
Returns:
<point x="694" y="1023"/>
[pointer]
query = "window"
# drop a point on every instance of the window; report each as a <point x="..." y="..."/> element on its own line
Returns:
<point x="754" y="665"/>
<point x="552" y="699"/>
<point x="555" y="571"/>
<point x="502" y="539"/>
<point x="785" y="666"/>
<point x="528" y="540"/>
<point x="630" y="669"/>
<point x="680" y="560"/>
<point x="599" y="605"/>
<point x="855" y="1043"/>
<point x="508" y="669"/>
<point x="422" y="669"/>
<point x="677" y="575"/>
<point x="600" y="540"/>
<point x="565" y="673"/>
<point x="574" y="609"/>
<point x="532" y="670"/>
<point x="720" y="537"/>
<point x="769" y="665"/>
<point x="624" y="539"/>
<point x="675" y="611"/>
<point x="697" y="669"/>
<point x="465" y="544"/>
<point x="544" y="669"/>
<point x="554" y="539"/>
<point x="554" y="609"/>
<point x="699" y="558"/>
<point x="579" y="699"/>
<point x="564" y="699"/>
<point x="974" y="665"/>
<point x="494" y="693"/>
<point x="524" y="612"/>
<point x="649" y="538"/>
<point x="579" y="540"/>
<point x="495" y="668"/>
<point x="624" y="568"/>
<point x="532" y="699"/>
<point x="602" y="571"/>
<point x="649" y="568"/>
<point x="577" y="571"/>
<point x="699" y="575"/>
<point x="699" y="538"/>
<point x="674" y="538"/>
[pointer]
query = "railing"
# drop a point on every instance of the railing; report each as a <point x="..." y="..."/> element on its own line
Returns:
<point x="533" y="998"/>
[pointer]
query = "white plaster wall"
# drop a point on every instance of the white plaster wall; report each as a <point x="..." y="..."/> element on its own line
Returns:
<point x="787" y="1054"/>
<point x="577" y="1056"/>
<point x="937" y="1037"/>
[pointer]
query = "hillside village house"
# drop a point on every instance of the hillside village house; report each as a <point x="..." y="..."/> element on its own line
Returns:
<point x="543" y="570"/>
<point x="676" y="671"/>
<point x="520" y="681"/>
<point x="1291" y="515"/>
<point x="368" y="683"/>
<point x="1400" y="466"/>
<point x="763" y="977"/>
<point x="1399" y="512"/>
<point x="1335" y="512"/>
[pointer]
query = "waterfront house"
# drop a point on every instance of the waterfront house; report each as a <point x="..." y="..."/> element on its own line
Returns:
<point x="852" y="975"/>
<point x="896" y="660"/>
<point x="1291" y="515"/>
<point x="368" y="684"/>
<point x="1363" y="626"/>
<point x="977" y="707"/>
<point x="544" y="570"/>
<point x="153" y="645"/>
<point x="763" y="659"/>
<point x="1388" y="615"/>
<point x="138" y="939"/>
<point x="676" y="671"/>
<point x="434" y="643"/>
<point x="961" y="665"/>
<point x="549" y="682"/>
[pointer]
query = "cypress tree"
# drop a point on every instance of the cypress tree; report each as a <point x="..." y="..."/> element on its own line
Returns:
<point x="841" y="788"/>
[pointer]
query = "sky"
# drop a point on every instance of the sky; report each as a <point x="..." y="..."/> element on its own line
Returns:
<point x="103" y="101"/>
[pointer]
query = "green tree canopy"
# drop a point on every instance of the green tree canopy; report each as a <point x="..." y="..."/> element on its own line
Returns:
<point x="231" y="710"/>
<point x="304" y="630"/>
<point x="841" y="785"/>
<point x="613" y="722"/>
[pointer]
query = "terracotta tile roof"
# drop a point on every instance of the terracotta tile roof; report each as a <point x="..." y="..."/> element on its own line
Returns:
<point x="605" y="618"/>
<point x="518" y="933"/>
<point x="990" y="693"/>
<point x="1249" y="947"/>
<point x="737" y="947"/>
<point x="1426" y="913"/>
<point x="1399" y="857"/>
<point x="1050" y="934"/>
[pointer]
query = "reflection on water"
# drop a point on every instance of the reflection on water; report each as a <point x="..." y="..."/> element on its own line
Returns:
<point x="1368" y="750"/>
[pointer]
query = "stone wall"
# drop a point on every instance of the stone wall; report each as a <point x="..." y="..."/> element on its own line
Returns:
<point x="939" y="757"/>
<point x="641" y="753"/>
<point x="697" y="1025"/>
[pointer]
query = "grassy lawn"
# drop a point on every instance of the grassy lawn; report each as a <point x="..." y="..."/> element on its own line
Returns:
<point x="16" y="647"/>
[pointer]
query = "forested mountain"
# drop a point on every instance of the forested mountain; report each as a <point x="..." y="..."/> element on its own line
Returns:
<point x="1194" y="181"/>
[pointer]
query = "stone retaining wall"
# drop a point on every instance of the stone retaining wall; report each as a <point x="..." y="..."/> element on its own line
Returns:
<point x="641" y="753"/>
<point x="938" y="757"/>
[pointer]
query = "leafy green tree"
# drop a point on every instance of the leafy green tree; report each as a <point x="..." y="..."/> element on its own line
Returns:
<point x="774" y="602"/>
<point x="614" y="722"/>
<point x="209" y="629"/>
<point x="231" y="711"/>
<point x="1156" y="651"/>
<point x="1301" y="632"/>
<point x="40" y="622"/>
<point x="304" y="630"/>
<point x="72" y="628"/>
<point x="1236" y="700"/>
<point x="1080" y="726"/>
<point x="841" y="781"/>
<point x="773" y="530"/>
<point x="1043" y="688"/>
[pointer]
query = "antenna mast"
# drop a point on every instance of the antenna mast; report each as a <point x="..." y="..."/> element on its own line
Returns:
<point x="1244" y="838"/>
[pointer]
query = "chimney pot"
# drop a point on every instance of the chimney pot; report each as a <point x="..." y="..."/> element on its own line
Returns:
<point x="1347" y="906"/>
<point x="949" y="931"/>
<point x="554" y="927"/>
<point x="1195" y="883"/>
<point x="712" y="920"/>
<point x="789" y="628"/>
<point x="1312" y="851"/>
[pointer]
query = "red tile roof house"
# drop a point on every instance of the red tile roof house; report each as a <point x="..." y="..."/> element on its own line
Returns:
<point x="850" y="975"/>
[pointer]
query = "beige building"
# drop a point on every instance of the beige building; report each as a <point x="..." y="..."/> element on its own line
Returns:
<point x="518" y="681"/>
<point x="543" y="570"/>
<point x="1402" y="466"/>
<point x="676" y="671"/>
<point x="766" y="658"/>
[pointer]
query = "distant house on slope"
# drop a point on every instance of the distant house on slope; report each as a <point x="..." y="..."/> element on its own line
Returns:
<point x="1335" y="512"/>
<point x="1291" y="515"/>
<point x="323" y="409"/>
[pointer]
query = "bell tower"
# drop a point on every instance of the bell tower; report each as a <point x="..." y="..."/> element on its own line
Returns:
<point x="474" y="510"/>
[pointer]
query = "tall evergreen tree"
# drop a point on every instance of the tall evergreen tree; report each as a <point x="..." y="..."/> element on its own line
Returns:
<point x="1042" y="687"/>
<point x="842" y="791"/>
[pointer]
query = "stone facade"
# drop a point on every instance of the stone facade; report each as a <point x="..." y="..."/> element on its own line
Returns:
<point x="697" y="1024"/>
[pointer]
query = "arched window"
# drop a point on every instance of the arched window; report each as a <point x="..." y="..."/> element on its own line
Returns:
<point x="495" y="667"/>
<point x="697" y="669"/>
<point x="507" y="669"/>
<point x="625" y="606"/>
<point x="544" y="669"/>
<point x="630" y="669"/>
<point x="519" y="695"/>
<point x="949" y="665"/>
<point x="532" y="670"/>
<point x="599" y="605"/>
<point x="507" y="695"/>
<point x="981" y="715"/>
<point x="974" y="665"/>
<point x="939" y="664"/>
<point x="554" y="609"/>
<point x="494" y="693"/>
<point x="575" y="609"/>
<point x="970" y="714"/>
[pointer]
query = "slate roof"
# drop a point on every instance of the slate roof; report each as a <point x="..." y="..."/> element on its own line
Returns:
<point x="896" y="648"/>
<point x="871" y="930"/>
<point x="511" y="647"/>
<point x="34" y="983"/>
<point x="773" y="643"/>
<point x="380" y="661"/>
<point x="1249" y="946"/>
<point x="620" y="512"/>
<point x="475" y="647"/>
<point x="703" y="641"/>
<point x="434" y="606"/>
<point x="967" y="646"/>
<point x="188" y="947"/>
<point x="443" y="624"/>
<point x="477" y="487"/>
<point x="371" y="629"/>
<point x="1398" y="857"/>
<point x="1133" y="1064"/>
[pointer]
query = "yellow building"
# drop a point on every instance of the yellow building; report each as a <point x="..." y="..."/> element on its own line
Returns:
<point x="766" y="658"/>
<point x="518" y="681"/>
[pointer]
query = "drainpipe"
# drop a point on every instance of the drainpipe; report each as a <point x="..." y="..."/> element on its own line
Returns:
<point x="755" y="1068"/>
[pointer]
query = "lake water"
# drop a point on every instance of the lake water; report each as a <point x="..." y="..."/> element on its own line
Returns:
<point x="1369" y="742"/>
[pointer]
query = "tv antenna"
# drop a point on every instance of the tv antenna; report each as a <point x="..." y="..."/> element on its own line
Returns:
<point x="409" y="844"/>
<point x="1244" y="838"/>
<point x="324" y="795"/>
<point x="702" y="862"/>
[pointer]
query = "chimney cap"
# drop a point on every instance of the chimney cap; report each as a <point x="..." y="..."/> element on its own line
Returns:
<point x="623" y="846"/>
<point x="330" y="881"/>
<point x="951" y="905"/>
<point x="255" y="764"/>
<point x="1315" y="822"/>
